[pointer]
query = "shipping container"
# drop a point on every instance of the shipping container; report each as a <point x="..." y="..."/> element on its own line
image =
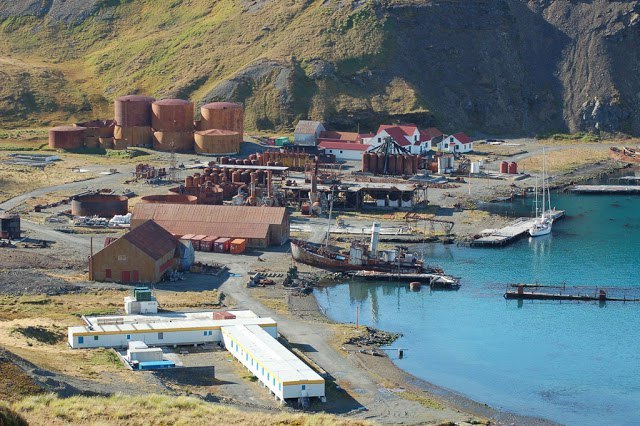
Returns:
<point x="207" y="244"/>
<point x="196" y="241"/>
<point x="222" y="245"/>
<point x="238" y="246"/>
<point x="188" y="237"/>
<point x="223" y="316"/>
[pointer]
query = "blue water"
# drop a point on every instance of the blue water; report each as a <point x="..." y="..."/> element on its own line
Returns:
<point x="573" y="362"/>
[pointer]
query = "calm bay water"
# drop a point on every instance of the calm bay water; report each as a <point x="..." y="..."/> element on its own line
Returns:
<point x="575" y="363"/>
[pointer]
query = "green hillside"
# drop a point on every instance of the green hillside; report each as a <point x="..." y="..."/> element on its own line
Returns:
<point x="492" y="66"/>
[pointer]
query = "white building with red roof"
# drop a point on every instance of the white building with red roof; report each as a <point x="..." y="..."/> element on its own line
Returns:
<point x="458" y="142"/>
<point x="408" y="136"/>
<point x="344" y="150"/>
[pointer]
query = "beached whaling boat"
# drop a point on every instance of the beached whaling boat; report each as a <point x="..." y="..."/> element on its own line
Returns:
<point x="397" y="264"/>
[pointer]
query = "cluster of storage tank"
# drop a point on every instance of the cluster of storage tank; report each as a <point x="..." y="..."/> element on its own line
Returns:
<point x="509" y="168"/>
<point x="292" y="160"/>
<point x="396" y="164"/>
<point x="167" y="125"/>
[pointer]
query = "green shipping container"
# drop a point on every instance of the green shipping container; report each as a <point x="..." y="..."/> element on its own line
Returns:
<point x="282" y="141"/>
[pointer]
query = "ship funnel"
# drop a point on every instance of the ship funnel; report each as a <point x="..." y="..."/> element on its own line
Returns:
<point x="375" y="236"/>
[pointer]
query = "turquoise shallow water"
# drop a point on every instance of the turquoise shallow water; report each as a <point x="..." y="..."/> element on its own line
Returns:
<point x="575" y="363"/>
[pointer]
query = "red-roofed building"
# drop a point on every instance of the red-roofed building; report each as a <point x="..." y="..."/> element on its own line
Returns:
<point x="408" y="136"/>
<point x="344" y="150"/>
<point x="458" y="142"/>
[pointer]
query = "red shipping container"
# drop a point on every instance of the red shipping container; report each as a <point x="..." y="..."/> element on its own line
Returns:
<point x="187" y="237"/>
<point x="238" y="246"/>
<point x="196" y="241"/>
<point x="223" y="316"/>
<point x="221" y="245"/>
<point x="207" y="244"/>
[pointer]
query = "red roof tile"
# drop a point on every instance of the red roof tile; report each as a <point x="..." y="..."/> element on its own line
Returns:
<point x="398" y="135"/>
<point x="152" y="239"/>
<point x="348" y="146"/>
<point x="340" y="136"/>
<point x="463" y="138"/>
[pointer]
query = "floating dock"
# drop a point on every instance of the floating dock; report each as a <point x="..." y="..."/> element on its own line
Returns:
<point x="514" y="231"/>
<point x="435" y="281"/>
<point x="606" y="189"/>
<point x="579" y="294"/>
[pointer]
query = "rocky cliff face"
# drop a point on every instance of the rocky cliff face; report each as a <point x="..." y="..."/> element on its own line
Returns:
<point x="493" y="66"/>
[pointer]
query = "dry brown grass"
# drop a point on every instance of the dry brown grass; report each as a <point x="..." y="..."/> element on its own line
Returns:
<point x="564" y="160"/>
<point x="156" y="410"/>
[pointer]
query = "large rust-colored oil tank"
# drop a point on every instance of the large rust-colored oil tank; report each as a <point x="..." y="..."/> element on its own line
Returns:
<point x="133" y="111"/>
<point x="513" y="168"/>
<point x="66" y="137"/>
<point x="373" y="163"/>
<point x="380" y="163"/>
<point x="399" y="164"/>
<point x="98" y="128"/>
<point x="172" y="115"/>
<point x="223" y="115"/>
<point x="365" y="162"/>
<point x="504" y="167"/>
<point x="173" y="141"/>
<point x="408" y="164"/>
<point x="99" y="205"/>
<point x="134" y="136"/>
<point x="217" y="141"/>
<point x="170" y="199"/>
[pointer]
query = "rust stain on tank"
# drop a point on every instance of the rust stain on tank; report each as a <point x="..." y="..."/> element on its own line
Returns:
<point x="223" y="115"/>
<point x="67" y="137"/>
<point x="133" y="111"/>
<point x="172" y="115"/>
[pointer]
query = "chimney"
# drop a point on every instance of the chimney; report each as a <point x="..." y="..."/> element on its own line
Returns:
<point x="375" y="236"/>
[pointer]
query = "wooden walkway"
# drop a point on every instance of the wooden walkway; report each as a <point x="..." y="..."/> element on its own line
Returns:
<point x="606" y="189"/>
<point x="515" y="230"/>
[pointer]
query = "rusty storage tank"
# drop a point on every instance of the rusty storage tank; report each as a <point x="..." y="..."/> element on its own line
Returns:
<point x="169" y="199"/>
<point x="513" y="168"/>
<point x="172" y="115"/>
<point x="399" y="164"/>
<point x="408" y="164"/>
<point x="373" y="163"/>
<point x="224" y="116"/>
<point x="134" y="136"/>
<point x="173" y="141"/>
<point x="99" y="205"/>
<point x="504" y="167"/>
<point x="416" y="164"/>
<point x="66" y="137"/>
<point x="365" y="162"/>
<point x="380" y="163"/>
<point x="133" y="111"/>
<point x="98" y="128"/>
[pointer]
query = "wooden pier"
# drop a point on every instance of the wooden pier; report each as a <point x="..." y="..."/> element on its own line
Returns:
<point x="514" y="231"/>
<point x="578" y="294"/>
<point x="606" y="189"/>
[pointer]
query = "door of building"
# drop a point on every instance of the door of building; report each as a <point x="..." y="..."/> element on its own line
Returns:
<point x="126" y="276"/>
<point x="136" y="276"/>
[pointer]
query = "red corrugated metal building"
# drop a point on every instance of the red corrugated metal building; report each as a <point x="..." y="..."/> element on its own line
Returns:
<point x="143" y="254"/>
<point x="260" y="226"/>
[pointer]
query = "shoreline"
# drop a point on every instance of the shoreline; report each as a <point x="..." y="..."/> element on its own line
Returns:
<point x="384" y="369"/>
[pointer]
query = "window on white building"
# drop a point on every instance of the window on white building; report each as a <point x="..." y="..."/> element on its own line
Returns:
<point x="80" y="340"/>
<point x="95" y="337"/>
<point x="160" y="336"/>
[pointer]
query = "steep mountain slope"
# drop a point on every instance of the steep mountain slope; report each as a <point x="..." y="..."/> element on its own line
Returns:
<point x="496" y="66"/>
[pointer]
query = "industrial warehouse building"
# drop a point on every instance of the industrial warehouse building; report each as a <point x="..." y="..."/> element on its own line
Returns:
<point x="189" y="328"/>
<point x="143" y="254"/>
<point x="252" y="340"/>
<point x="260" y="226"/>
<point x="276" y="367"/>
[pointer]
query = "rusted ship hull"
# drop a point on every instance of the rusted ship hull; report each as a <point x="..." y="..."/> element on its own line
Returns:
<point x="625" y="155"/>
<point x="301" y="252"/>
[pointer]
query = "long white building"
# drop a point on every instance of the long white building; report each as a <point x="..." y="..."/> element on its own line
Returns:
<point x="191" y="328"/>
<point x="275" y="366"/>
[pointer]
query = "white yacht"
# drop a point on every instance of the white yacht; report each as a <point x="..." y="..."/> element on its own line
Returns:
<point x="544" y="221"/>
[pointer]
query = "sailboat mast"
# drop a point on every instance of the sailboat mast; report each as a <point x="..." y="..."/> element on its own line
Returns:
<point x="544" y="166"/>
<point x="537" y="211"/>
<point x="329" y="221"/>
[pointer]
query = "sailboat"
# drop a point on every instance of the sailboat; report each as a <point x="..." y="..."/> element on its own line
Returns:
<point x="543" y="223"/>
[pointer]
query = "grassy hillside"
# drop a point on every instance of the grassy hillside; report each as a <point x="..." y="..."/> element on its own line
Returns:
<point x="152" y="410"/>
<point x="489" y="65"/>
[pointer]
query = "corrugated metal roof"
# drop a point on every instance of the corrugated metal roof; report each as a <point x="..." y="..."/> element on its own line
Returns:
<point x="308" y="126"/>
<point x="152" y="239"/>
<point x="222" y="221"/>
<point x="349" y="146"/>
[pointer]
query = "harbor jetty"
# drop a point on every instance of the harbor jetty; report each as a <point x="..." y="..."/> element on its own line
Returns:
<point x="571" y="293"/>
<point x="606" y="189"/>
<point x="512" y="232"/>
